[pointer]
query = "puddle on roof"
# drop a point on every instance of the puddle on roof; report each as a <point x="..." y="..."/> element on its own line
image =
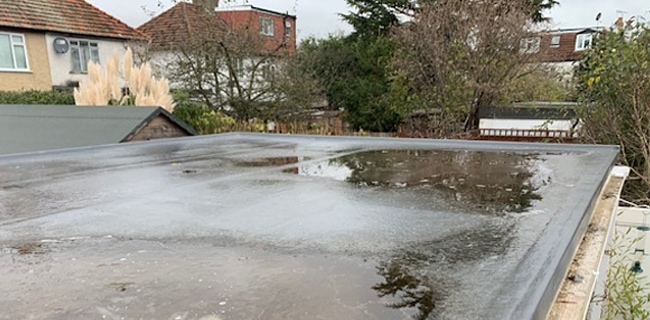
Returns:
<point x="490" y="182"/>
<point x="423" y="277"/>
<point x="267" y="162"/>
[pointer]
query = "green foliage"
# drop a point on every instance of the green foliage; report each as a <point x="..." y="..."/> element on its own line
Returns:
<point x="539" y="85"/>
<point x="627" y="298"/>
<point x="198" y="115"/>
<point x="37" y="97"/>
<point x="377" y="17"/>
<point x="360" y="74"/>
<point x="356" y="78"/>
<point x="614" y="85"/>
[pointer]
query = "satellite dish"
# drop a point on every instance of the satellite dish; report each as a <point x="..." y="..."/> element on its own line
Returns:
<point x="61" y="45"/>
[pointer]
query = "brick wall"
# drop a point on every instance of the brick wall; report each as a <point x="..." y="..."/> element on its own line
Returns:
<point x="251" y="19"/>
<point x="38" y="77"/>
<point x="159" y="127"/>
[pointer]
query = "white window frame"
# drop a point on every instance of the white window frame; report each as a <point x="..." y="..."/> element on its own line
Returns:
<point x="555" y="40"/>
<point x="79" y="45"/>
<point x="287" y="28"/>
<point x="12" y="47"/>
<point x="530" y="45"/>
<point x="267" y="26"/>
<point x="583" y="38"/>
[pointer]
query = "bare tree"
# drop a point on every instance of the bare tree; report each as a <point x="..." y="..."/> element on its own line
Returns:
<point x="459" y="56"/>
<point x="234" y="69"/>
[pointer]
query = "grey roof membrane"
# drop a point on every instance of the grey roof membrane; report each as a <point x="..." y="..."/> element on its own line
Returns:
<point x="245" y="226"/>
<point x="29" y="128"/>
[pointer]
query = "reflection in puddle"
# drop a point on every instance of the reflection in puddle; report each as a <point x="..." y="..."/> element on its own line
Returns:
<point x="488" y="181"/>
<point x="418" y="277"/>
<point x="268" y="162"/>
<point x="413" y="289"/>
<point x="328" y="169"/>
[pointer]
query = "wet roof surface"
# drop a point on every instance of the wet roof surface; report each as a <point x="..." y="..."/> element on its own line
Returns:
<point x="278" y="227"/>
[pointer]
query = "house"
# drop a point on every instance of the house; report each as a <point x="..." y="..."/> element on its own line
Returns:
<point x="560" y="49"/>
<point x="30" y="128"/>
<point x="226" y="55"/>
<point x="47" y="44"/>
<point x="278" y="30"/>
<point x="177" y="25"/>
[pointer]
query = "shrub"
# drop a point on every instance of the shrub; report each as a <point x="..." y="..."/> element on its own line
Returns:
<point x="36" y="97"/>
<point x="627" y="297"/>
<point x="200" y="116"/>
<point x="102" y="87"/>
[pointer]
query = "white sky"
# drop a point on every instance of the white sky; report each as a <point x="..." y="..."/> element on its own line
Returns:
<point x="320" y="17"/>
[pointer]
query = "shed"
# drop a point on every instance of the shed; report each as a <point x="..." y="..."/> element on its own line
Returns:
<point x="531" y="121"/>
<point x="29" y="128"/>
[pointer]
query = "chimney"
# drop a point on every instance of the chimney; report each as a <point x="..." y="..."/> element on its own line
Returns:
<point x="208" y="5"/>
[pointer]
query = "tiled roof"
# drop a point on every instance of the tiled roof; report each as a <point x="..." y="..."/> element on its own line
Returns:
<point x="566" y="50"/>
<point x="67" y="16"/>
<point x="176" y="25"/>
<point x="187" y="24"/>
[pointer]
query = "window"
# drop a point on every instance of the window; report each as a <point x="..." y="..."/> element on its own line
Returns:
<point x="529" y="45"/>
<point x="583" y="41"/>
<point x="13" y="52"/>
<point x="83" y="52"/>
<point x="269" y="71"/>
<point x="266" y="26"/>
<point x="287" y="29"/>
<point x="555" y="41"/>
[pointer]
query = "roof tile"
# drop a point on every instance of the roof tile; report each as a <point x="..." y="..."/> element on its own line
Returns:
<point x="182" y="23"/>
<point x="67" y="16"/>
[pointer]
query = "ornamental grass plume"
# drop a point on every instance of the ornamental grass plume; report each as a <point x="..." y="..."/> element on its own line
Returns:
<point x="102" y="87"/>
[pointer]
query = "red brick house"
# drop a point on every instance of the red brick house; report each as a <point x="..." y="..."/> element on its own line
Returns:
<point x="560" y="48"/>
<point x="227" y="56"/>
<point x="276" y="30"/>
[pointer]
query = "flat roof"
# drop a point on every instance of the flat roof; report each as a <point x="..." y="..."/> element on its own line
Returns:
<point x="244" y="226"/>
<point x="34" y="128"/>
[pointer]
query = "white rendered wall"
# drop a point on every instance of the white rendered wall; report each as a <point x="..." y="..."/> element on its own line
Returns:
<point x="523" y="124"/>
<point x="61" y="65"/>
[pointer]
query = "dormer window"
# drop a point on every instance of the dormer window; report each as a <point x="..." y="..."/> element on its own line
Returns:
<point x="583" y="41"/>
<point x="555" y="41"/>
<point x="529" y="45"/>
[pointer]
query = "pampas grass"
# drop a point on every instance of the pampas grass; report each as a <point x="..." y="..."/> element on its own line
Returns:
<point x="102" y="87"/>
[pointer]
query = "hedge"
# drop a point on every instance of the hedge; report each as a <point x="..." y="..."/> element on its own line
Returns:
<point x="36" y="97"/>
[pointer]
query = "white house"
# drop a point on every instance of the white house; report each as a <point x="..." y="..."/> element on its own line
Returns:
<point x="47" y="44"/>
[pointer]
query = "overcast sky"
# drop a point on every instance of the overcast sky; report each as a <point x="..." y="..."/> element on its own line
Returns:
<point x="320" y="17"/>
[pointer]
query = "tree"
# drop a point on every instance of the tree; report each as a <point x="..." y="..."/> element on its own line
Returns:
<point x="614" y="86"/>
<point x="236" y="70"/>
<point x="379" y="16"/>
<point x="459" y="56"/>
<point x="541" y="84"/>
<point x="356" y="79"/>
